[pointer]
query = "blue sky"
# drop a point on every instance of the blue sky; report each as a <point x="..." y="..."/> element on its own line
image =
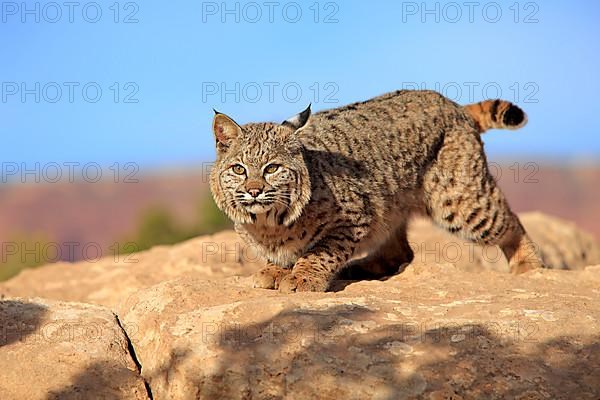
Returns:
<point x="178" y="57"/>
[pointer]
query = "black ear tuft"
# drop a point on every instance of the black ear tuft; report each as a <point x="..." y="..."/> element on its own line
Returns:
<point x="299" y="120"/>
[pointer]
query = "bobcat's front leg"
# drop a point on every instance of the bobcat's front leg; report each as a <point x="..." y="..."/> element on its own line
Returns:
<point x="270" y="276"/>
<point x="314" y="271"/>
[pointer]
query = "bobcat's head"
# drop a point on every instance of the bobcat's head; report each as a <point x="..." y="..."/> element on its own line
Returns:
<point x="260" y="169"/>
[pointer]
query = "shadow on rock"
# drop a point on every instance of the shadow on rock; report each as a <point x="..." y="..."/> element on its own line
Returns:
<point x="342" y="352"/>
<point x="18" y="320"/>
<point x="102" y="380"/>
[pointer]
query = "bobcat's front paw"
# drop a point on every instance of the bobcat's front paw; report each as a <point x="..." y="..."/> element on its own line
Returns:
<point x="299" y="282"/>
<point x="269" y="277"/>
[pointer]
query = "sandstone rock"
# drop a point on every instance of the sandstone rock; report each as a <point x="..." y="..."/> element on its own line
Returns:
<point x="560" y="243"/>
<point x="452" y="325"/>
<point x="433" y="331"/>
<point x="56" y="350"/>
<point x="112" y="279"/>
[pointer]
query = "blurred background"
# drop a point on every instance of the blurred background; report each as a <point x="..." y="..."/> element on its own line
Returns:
<point x="106" y="107"/>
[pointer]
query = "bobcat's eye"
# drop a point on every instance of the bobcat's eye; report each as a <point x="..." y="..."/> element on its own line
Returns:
<point x="271" y="168"/>
<point x="238" y="169"/>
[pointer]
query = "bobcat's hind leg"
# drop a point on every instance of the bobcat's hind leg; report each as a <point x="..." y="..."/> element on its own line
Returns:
<point x="462" y="196"/>
<point x="390" y="258"/>
<point x="518" y="248"/>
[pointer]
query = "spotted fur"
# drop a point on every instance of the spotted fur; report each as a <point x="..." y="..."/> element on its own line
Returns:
<point x="317" y="190"/>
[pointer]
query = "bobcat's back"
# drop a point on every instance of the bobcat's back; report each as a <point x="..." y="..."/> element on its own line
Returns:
<point x="382" y="145"/>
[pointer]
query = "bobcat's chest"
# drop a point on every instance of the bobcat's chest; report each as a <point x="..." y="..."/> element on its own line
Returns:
<point x="276" y="244"/>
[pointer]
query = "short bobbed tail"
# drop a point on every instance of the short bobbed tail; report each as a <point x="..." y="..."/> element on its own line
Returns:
<point x="496" y="114"/>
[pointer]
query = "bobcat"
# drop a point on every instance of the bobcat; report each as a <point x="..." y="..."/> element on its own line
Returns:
<point x="314" y="191"/>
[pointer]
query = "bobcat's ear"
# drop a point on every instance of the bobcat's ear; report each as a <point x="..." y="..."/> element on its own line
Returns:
<point x="225" y="129"/>
<point x="298" y="121"/>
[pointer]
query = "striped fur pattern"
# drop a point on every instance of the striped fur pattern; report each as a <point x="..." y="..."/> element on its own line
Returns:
<point x="315" y="191"/>
<point x="496" y="114"/>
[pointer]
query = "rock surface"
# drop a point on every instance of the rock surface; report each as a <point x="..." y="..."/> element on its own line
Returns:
<point x="109" y="280"/>
<point x="57" y="350"/>
<point x="560" y="244"/>
<point x="432" y="332"/>
<point x="452" y="325"/>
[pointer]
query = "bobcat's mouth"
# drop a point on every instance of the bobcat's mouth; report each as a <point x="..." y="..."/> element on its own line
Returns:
<point x="257" y="207"/>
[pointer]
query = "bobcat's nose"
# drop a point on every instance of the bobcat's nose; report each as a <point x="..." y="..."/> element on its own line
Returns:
<point x="254" y="192"/>
<point x="254" y="188"/>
